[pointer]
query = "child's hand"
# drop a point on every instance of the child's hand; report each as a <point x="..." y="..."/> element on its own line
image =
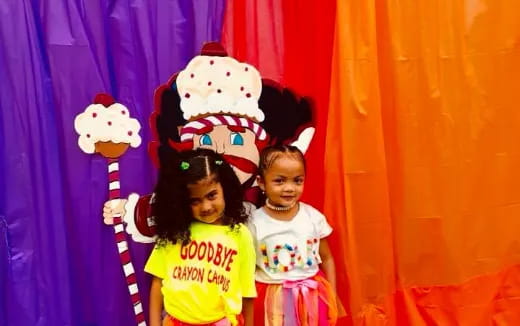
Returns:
<point x="114" y="207"/>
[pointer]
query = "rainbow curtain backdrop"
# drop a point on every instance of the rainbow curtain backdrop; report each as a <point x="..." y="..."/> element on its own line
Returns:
<point x="415" y="160"/>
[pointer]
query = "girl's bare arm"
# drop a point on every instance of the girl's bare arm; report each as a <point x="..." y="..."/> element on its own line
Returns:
<point x="156" y="302"/>
<point x="327" y="263"/>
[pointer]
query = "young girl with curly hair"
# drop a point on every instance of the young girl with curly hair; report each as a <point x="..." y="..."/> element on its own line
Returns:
<point x="203" y="264"/>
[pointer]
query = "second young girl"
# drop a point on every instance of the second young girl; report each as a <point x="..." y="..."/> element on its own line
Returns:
<point x="203" y="263"/>
<point x="291" y="246"/>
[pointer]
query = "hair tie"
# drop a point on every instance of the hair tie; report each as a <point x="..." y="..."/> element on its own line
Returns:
<point x="184" y="165"/>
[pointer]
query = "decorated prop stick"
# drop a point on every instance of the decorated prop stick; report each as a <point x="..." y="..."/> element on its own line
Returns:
<point x="106" y="128"/>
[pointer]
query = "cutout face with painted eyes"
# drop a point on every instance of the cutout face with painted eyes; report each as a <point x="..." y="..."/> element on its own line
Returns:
<point x="236" y="144"/>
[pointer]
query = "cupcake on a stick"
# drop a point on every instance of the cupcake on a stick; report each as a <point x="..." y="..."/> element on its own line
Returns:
<point x="105" y="127"/>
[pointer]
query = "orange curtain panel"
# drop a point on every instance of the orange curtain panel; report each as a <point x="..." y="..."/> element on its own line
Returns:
<point x="425" y="124"/>
<point x="357" y="197"/>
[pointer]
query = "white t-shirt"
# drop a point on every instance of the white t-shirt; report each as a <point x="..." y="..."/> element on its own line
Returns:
<point x="288" y="250"/>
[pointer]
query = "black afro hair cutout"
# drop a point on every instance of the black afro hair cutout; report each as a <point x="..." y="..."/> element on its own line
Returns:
<point x="285" y="113"/>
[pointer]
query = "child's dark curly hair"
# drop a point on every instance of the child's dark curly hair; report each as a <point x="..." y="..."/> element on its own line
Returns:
<point x="171" y="207"/>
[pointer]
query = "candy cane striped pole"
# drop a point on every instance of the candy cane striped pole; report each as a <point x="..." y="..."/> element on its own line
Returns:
<point x="122" y="245"/>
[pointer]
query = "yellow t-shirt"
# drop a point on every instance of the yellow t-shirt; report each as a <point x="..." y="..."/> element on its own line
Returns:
<point x="206" y="280"/>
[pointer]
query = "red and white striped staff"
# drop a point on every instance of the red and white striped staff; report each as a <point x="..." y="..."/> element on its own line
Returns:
<point x="105" y="127"/>
<point x="122" y="245"/>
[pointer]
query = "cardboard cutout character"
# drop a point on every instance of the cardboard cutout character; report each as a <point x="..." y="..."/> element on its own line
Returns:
<point x="222" y="104"/>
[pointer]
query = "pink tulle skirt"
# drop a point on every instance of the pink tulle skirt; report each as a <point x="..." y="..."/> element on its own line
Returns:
<point x="309" y="302"/>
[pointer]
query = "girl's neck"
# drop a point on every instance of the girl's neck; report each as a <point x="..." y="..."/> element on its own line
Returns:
<point x="282" y="215"/>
